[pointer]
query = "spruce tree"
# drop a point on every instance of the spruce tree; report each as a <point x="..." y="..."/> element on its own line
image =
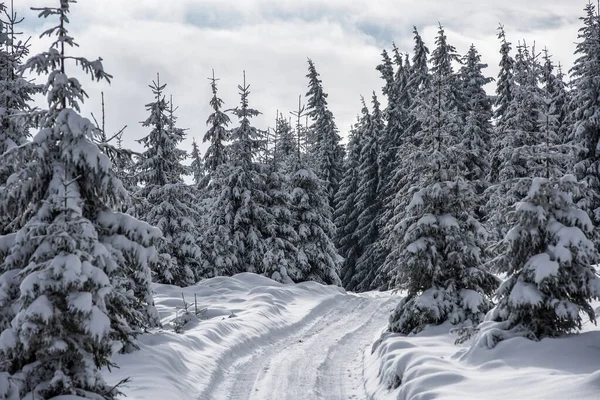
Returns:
<point x="478" y="129"/>
<point x="318" y="259"/>
<point x="16" y="95"/>
<point x="197" y="165"/>
<point x="326" y="153"/>
<point x="439" y="243"/>
<point x="280" y="261"/>
<point x="346" y="225"/>
<point x="585" y="106"/>
<point x="286" y="146"/>
<point x="239" y="217"/>
<point x="168" y="203"/>
<point x="368" y="200"/>
<point x="526" y="145"/>
<point x="72" y="301"/>
<point x="548" y="259"/>
<point x="505" y="82"/>
<point x="217" y="134"/>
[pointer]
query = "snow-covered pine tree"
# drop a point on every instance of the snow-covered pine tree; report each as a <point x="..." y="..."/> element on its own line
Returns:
<point x="239" y="218"/>
<point x="217" y="134"/>
<point x="351" y="247"/>
<point x="16" y="94"/>
<point x="548" y="259"/>
<point x="71" y="302"/>
<point x="439" y="249"/>
<point x="197" y="165"/>
<point x="280" y="261"/>
<point x="368" y="200"/>
<point x="411" y="83"/>
<point x="318" y="259"/>
<point x="520" y="156"/>
<point x="504" y="97"/>
<point x="505" y="81"/>
<point x="345" y="201"/>
<point x="478" y="129"/>
<point x="285" y="151"/>
<point x="478" y="105"/>
<point x="167" y="202"/>
<point x="326" y="153"/>
<point x="585" y="106"/>
<point x="391" y="145"/>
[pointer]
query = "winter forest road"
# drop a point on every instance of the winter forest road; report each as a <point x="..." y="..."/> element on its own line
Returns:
<point x="322" y="359"/>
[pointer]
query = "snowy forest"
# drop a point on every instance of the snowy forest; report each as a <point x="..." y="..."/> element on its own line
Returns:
<point x="483" y="209"/>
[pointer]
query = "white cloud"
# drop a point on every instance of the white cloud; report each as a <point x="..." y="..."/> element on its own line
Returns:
<point x="271" y="39"/>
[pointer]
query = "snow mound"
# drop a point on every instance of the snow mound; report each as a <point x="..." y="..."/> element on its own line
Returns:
<point x="235" y="315"/>
<point x="430" y="366"/>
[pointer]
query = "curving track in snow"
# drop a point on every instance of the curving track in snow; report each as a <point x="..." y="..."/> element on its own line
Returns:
<point x="318" y="359"/>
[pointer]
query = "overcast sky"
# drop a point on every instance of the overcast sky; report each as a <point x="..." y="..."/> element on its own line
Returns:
<point x="271" y="39"/>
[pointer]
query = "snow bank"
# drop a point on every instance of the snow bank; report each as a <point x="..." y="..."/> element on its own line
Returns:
<point x="430" y="366"/>
<point x="236" y="315"/>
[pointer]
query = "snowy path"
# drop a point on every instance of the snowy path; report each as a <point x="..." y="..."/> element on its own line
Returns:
<point x="321" y="358"/>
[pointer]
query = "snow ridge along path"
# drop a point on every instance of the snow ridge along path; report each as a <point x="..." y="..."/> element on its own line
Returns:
<point x="321" y="359"/>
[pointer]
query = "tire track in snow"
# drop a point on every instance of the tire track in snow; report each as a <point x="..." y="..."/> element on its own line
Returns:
<point x="313" y="362"/>
<point x="247" y="349"/>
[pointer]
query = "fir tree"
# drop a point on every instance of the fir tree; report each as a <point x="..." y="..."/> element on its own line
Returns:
<point x="478" y="130"/>
<point x="286" y="149"/>
<point x="71" y="300"/>
<point x="239" y="215"/>
<point x="529" y="147"/>
<point x="391" y="163"/>
<point x="548" y="259"/>
<point x="438" y="256"/>
<point x="505" y="83"/>
<point x="368" y="200"/>
<point x="318" y="259"/>
<point x="168" y="203"/>
<point x="346" y="242"/>
<point x="16" y="94"/>
<point x="585" y="106"/>
<point x="197" y="166"/>
<point x="217" y="134"/>
<point x="325" y="150"/>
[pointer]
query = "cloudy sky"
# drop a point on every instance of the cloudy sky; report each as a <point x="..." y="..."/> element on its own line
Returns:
<point x="184" y="40"/>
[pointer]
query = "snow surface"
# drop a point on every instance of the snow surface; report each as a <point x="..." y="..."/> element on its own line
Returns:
<point x="255" y="339"/>
<point x="430" y="366"/>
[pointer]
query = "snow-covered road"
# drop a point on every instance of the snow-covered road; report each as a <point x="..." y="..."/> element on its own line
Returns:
<point x="321" y="358"/>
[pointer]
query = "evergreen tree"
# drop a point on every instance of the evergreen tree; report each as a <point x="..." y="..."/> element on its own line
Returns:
<point x="71" y="302"/>
<point x="217" y="134"/>
<point x="478" y="130"/>
<point x="346" y="225"/>
<point x="368" y="200"/>
<point x="197" y="166"/>
<point x="325" y="150"/>
<point x="286" y="149"/>
<point x="548" y="259"/>
<point x="438" y="256"/>
<point x="391" y="163"/>
<point x="168" y="203"/>
<point x="16" y="94"/>
<point x="529" y="146"/>
<point x="505" y="83"/>
<point x="585" y="106"/>
<point x="239" y="214"/>
<point x="318" y="259"/>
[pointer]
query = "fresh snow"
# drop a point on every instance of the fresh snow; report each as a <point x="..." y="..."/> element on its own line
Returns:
<point x="430" y="365"/>
<point x="255" y="338"/>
